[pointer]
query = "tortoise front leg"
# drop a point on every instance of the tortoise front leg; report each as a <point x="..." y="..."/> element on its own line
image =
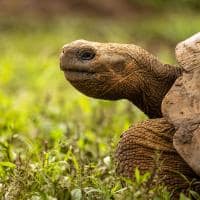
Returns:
<point x="137" y="148"/>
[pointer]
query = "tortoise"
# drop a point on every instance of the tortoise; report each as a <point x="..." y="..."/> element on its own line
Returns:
<point x="116" y="71"/>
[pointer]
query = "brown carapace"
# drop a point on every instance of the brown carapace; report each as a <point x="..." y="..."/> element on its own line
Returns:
<point x="125" y="71"/>
<point x="181" y="106"/>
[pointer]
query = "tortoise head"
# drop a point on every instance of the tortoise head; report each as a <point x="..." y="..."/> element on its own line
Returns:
<point x="99" y="70"/>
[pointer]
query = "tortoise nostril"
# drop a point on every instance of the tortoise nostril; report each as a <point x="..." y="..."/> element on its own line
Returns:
<point x="65" y="48"/>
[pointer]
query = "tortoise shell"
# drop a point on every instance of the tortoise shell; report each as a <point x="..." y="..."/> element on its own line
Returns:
<point x="181" y="105"/>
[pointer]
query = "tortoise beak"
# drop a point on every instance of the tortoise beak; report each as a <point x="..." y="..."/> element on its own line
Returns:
<point x="63" y="64"/>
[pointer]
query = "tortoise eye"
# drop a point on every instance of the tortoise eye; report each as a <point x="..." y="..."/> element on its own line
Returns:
<point x="86" y="55"/>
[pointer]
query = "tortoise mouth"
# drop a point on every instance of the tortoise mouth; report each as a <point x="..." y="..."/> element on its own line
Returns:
<point x="78" y="74"/>
<point x="78" y="70"/>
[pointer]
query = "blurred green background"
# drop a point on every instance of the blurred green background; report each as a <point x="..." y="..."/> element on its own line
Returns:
<point x="49" y="132"/>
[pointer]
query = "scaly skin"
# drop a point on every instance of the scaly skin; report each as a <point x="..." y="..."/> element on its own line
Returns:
<point x="137" y="148"/>
<point x="118" y="71"/>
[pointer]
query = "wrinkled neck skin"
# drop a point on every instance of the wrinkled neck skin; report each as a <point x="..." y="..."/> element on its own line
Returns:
<point x="150" y="82"/>
<point x="148" y="97"/>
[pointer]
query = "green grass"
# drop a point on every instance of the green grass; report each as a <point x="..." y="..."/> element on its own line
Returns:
<point x="55" y="143"/>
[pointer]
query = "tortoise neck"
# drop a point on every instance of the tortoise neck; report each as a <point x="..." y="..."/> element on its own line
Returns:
<point x="151" y="93"/>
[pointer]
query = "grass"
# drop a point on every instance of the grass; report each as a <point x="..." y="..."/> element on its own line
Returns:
<point x="55" y="143"/>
